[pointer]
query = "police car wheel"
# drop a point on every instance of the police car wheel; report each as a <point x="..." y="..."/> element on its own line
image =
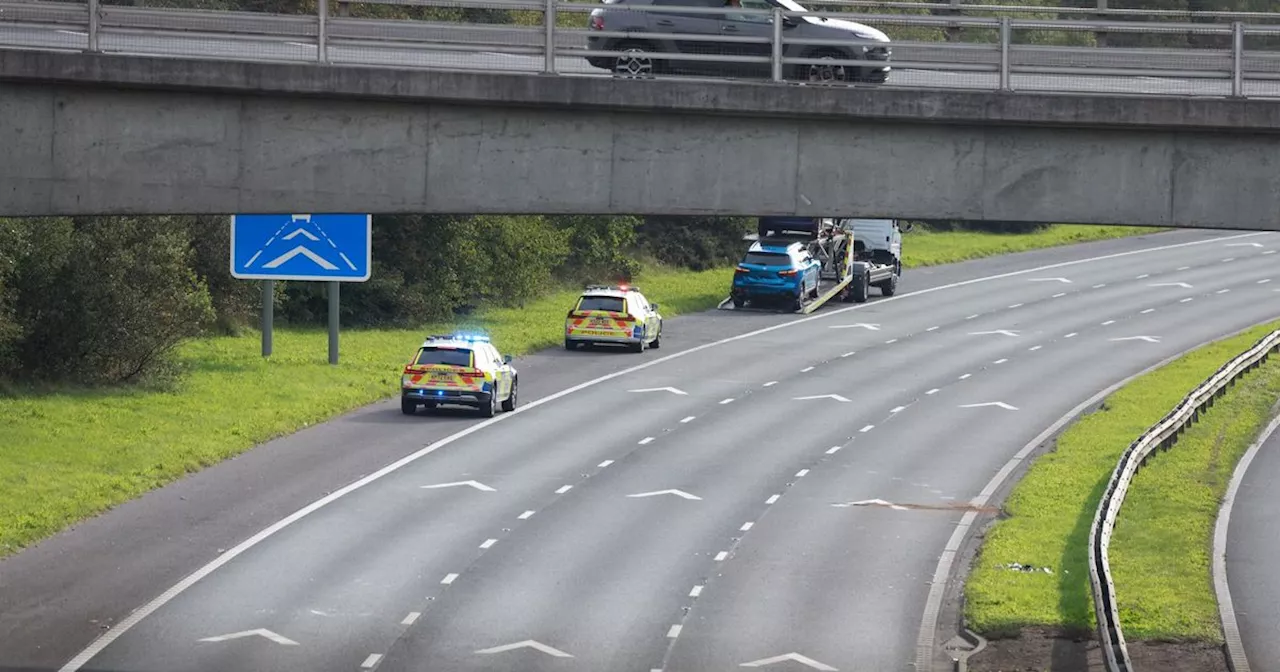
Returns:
<point x="509" y="404"/>
<point x="408" y="406"/>
<point x="488" y="409"/>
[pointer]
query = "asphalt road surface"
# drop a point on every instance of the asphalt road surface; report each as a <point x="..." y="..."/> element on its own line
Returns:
<point x="1252" y="547"/>
<point x="223" y="46"/>
<point x="792" y="497"/>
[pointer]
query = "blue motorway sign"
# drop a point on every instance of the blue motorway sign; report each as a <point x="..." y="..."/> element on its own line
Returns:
<point x="302" y="247"/>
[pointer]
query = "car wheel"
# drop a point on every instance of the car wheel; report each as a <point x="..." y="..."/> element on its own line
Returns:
<point x="509" y="404"/>
<point x="490" y="409"/>
<point x="633" y="62"/>
<point x="570" y="345"/>
<point x="408" y="406"/>
<point x="828" y="73"/>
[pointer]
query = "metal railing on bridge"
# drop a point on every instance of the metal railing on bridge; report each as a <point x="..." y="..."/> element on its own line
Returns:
<point x="933" y="45"/>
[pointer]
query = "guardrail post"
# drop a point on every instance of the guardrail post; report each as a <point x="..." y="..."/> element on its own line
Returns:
<point x="776" y="45"/>
<point x="1004" y="53"/>
<point x="549" y="23"/>
<point x="1100" y="36"/>
<point x="95" y="23"/>
<point x="322" y="47"/>
<point x="1237" y="59"/>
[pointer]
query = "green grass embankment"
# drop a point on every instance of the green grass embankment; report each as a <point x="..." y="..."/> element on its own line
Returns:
<point x="1160" y="554"/>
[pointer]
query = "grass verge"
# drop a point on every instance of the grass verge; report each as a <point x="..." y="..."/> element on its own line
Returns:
<point x="69" y="454"/>
<point x="1160" y="555"/>
<point x="924" y="248"/>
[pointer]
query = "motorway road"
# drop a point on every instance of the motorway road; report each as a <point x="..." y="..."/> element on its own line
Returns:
<point x="771" y="546"/>
<point x="223" y="46"/>
<point x="1252" y="548"/>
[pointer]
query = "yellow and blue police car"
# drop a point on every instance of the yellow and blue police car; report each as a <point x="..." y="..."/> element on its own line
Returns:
<point x="615" y="314"/>
<point x="459" y="369"/>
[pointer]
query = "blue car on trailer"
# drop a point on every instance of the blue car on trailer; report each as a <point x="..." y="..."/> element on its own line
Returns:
<point x="778" y="267"/>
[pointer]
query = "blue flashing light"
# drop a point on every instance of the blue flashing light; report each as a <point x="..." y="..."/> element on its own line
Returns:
<point x="461" y="336"/>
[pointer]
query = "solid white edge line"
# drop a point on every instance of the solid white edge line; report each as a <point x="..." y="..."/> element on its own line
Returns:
<point x="1222" y="589"/>
<point x="942" y="572"/>
<point x="105" y="639"/>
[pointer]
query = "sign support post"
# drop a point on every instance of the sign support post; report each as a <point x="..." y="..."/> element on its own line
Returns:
<point x="268" y="314"/>
<point x="328" y="248"/>
<point x="333" y="321"/>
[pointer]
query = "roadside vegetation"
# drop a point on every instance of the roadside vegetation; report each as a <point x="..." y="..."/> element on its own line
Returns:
<point x="1161" y="552"/>
<point x="129" y="357"/>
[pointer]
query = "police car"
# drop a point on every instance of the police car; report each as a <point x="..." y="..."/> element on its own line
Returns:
<point x="617" y="314"/>
<point x="459" y="369"/>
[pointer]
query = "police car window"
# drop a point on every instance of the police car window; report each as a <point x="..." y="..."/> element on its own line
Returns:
<point x="449" y="356"/>
<point x="610" y="303"/>
<point x="767" y="259"/>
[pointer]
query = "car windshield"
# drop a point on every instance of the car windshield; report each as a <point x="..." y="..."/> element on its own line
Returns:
<point x="767" y="259"/>
<point x="612" y="304"/>
<point x="789" y="5"/>
<point x="446" y="356"/>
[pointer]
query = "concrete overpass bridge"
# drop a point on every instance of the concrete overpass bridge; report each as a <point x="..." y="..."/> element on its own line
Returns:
<point x="118" y="134"/>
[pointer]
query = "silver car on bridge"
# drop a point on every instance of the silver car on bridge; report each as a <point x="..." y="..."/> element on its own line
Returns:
<point x="860" y="42"/>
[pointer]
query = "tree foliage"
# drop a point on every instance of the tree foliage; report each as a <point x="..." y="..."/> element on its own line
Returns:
<point x="101" y="300"/>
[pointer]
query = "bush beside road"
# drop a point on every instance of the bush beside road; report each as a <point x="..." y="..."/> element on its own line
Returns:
<point x="1161" y="551"/>
<point x="72" y="452"/>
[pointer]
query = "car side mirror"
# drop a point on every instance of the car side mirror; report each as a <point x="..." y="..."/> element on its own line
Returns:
<point x="506" y="359"/>
<point x="654" y="306"/>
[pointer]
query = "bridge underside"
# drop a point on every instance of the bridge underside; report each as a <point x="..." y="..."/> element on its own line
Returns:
<point x="82" y="140"/>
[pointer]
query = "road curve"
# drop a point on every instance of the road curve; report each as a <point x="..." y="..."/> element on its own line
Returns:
<point x="1251" y="549"/>
<point x="772" y="545"/>
<point x="195" y="44"/>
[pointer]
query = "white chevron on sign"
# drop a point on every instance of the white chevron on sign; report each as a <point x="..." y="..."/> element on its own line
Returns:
<point x="678" y="493"/>
<point x="528" y="643"/>
<point x="475" y="484"/>
<point x="259" y="632"/>
<point x="794" y="657"/>
<point x="823" y="396"/>
<point x="320" y="261"/>
<point x="302" y="232"/>
<point x="864" y="325"/>
<point x="1001" y="404"/>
